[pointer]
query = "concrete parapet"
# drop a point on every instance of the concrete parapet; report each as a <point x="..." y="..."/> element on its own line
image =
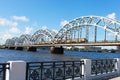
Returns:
<point x="17" y="70"/>
<point x="117" y="66"/>
<point x="86" y="69"/>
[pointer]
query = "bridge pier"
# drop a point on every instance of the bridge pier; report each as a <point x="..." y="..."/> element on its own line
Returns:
<point x="18" y="48"/>
<point x="12" y="48"/>
<point x="57" y="50"/>
<point x="32" y="49"/>
<point x="6" y="47"/>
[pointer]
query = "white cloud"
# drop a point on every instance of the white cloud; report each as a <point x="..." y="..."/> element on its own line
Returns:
<point x="44" y="27"/>
<point x="21" y="18"/>
<point x="56" y="31"/>
<point x="110" y="34"/>
<point x="28" y="30"/>
<point x="14" y="30"/>
<point x="35" y="24"/>
<point x="63" y="23"/>
<point x="4" y="36"/>
<point x="112" y="15"/>
<point x="6" y="22"/>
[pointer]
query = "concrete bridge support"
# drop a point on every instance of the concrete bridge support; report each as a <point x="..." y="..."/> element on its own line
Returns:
<point x="12" y="48"/>
<point x="32" y="49"/>
<point x="18" y="48"/>
<point x="6" y="47"/>
<point x="57" y="50"/>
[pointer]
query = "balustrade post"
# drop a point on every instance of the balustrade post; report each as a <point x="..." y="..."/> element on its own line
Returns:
<point x="86" y="69"/>
<point x="17" y="70"/>
<point x="117" y="65"/>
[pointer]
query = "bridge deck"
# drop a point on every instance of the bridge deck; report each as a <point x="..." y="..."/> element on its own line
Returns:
<point x="81" y="44"/>
<point x="72" y="44"/>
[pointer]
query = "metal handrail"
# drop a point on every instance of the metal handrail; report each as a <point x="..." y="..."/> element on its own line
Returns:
<point x="54" y="70"/>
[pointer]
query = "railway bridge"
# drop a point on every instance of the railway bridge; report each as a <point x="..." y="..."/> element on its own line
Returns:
<point x="82" y="31"/>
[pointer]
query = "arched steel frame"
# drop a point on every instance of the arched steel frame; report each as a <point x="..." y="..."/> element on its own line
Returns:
<point x="12" y="41"/>
<point x="85" y="22"/>
<point x="42" y="33"/>
<point x="8" y="42"/>
<point x="24" y="39"/>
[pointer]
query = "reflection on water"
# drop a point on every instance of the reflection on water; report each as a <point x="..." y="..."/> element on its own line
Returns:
<point x="44" y="55"/>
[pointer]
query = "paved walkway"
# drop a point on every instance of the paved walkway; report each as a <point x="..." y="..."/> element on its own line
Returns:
<point x="117" y="78"/>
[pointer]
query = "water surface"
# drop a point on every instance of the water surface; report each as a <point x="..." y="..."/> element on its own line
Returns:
<point x="44" y="55"/>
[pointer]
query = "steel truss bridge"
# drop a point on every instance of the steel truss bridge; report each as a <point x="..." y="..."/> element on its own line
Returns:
<point x="82" y="31"/>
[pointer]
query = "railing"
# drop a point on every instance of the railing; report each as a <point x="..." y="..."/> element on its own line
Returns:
<point x="58" y="70"/>
<point x="103" y="66"/>
<point x="3" y="68"/>
<point x="85" y="69"/>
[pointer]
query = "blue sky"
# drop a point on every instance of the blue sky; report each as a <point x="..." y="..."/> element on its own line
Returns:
<point x="19" y="17"/>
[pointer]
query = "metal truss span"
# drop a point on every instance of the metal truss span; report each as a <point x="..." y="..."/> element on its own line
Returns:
<point x="89" y="29"/>
<point x="40" y="36"/>
<point x="43" y="35"/>
<point x="11" y="42"/>
<point x="24" y="39"/>
<point x="85" y="29"/>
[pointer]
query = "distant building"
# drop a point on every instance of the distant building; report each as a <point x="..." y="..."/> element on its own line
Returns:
<point x="84" y="48"/>
<point x="118" y="47"/>
<point x="68" y="48"/>
<point x="91" y="48"/>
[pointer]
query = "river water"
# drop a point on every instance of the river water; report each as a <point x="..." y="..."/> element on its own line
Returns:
<point x="44" y="55"/>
